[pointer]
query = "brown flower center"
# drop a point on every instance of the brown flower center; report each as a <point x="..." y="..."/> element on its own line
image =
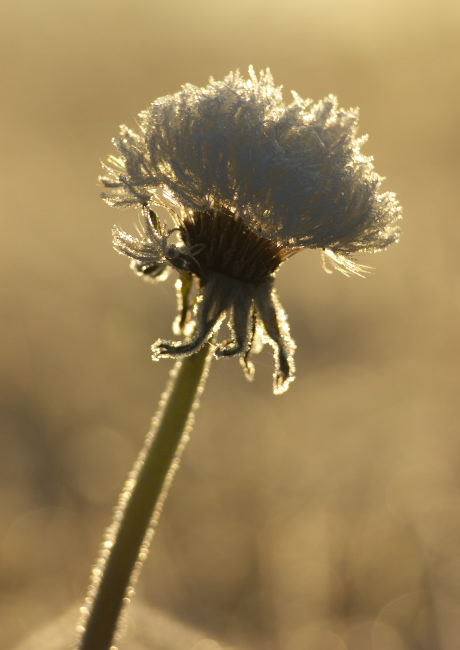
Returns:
<point x="221" y="242"/>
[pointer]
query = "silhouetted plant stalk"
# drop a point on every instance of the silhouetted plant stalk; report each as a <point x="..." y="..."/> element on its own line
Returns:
<point x="246" y="182"/>
<point x="127" y="540"/>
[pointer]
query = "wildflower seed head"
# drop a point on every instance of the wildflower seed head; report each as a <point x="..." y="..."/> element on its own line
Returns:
<point x="249" y="181"/>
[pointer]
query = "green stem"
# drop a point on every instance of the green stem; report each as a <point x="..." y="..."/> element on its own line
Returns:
<point x="128" y="538"/>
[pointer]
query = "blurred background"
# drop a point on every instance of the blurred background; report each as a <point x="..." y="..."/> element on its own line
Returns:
<point x="324" y="519"/>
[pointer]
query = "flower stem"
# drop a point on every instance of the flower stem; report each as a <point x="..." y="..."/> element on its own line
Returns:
<point x="128" y="538"/>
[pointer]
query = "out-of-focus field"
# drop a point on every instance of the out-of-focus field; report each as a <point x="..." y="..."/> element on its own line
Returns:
<point x="324" y="519"/>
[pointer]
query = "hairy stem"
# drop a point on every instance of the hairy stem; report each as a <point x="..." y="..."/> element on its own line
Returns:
<point x="127" y="540"/>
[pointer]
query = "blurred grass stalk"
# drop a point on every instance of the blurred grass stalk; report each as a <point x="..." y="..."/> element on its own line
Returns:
<point x="127" y="540"/>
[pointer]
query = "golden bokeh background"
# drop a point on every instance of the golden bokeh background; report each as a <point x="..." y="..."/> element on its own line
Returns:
<point x="324" y="519"/>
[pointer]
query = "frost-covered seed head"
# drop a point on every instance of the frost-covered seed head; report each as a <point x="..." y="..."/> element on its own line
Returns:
<point x="249" y="181"/>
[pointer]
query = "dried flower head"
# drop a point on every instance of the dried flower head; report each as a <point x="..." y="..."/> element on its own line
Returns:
<point x="248" y="181"/>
